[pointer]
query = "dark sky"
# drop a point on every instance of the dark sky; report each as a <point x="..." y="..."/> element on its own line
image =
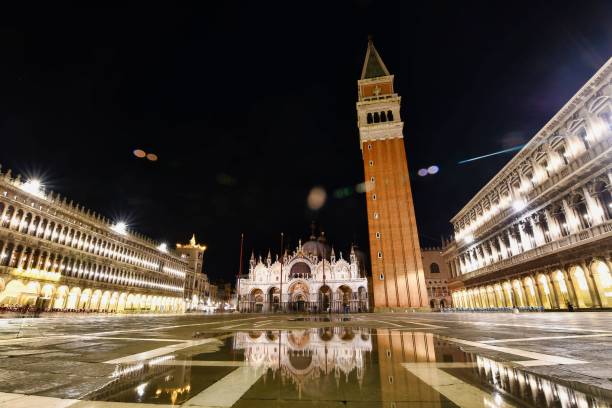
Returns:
<point x="248" y="106"/>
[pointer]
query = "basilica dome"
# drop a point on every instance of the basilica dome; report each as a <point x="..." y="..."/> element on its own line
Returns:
<point x="317" y="246"/>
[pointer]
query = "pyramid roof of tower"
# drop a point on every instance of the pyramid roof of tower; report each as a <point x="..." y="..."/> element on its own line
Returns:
<point x="373" y="66"/>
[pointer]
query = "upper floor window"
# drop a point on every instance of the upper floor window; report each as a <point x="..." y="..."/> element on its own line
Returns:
<point x="606" y="117"/>
<point x="582" y="134"/>
<point x="434" y="268"/>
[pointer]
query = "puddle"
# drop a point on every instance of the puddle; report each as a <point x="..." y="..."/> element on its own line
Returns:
<point x="351" y="366"/>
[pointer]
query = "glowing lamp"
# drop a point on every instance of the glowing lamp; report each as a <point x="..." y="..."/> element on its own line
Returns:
<point x="34" y="187"/>
<point x="518" y="205"/>
<point x="120" y="228"/>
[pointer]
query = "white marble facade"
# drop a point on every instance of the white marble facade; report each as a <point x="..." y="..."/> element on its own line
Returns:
<point x="305" y="282"/>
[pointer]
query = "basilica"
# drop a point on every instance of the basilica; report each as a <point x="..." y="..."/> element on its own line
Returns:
<point x="310" y="279"/>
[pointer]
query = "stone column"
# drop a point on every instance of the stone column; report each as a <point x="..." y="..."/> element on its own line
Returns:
<point x="554" y="229"/>
<point x="502" y="246"/>
<point x="494" y="255"/>
<point x="573" y="222"/>
<point x="555" y="301"/>
<point x="538" y="297"/>
<point x="538" y="234"/>
<point x="591" y="283"/>
<point x="595" y="211"/>
<point x="525" y="242"/>
<point x="514" y="242"/>
<point x="571" y="290"/>
<point x="522" y="294"/>
<point x="473" y="262"/>
<point x="3" y="214"/>
<point x="479" y="259"/>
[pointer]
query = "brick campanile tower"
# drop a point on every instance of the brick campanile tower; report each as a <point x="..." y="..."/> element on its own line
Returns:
<point x="397" y="268"/>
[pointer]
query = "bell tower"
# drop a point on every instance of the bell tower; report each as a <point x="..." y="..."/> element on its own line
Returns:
<point x="397" y="267"/>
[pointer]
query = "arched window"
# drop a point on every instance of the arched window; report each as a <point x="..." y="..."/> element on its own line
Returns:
<point x="434" y="268"/>
<point x="390" y="116"/>
<point x="370" y="119"/>
<point x="582" y="134"/>
<point x="582" y="212"/>
<point x="606" y="117"/>
<point x="383" y="116"/>
<point x="299" y="270"/>
<point x="562" y="153"/>
<point x="604" y="197"/>
<point x="376" y="117"/>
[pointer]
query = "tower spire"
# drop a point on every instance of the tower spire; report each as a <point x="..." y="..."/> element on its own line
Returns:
<point x="399" y="275"/>
<point x="373" y="66"/>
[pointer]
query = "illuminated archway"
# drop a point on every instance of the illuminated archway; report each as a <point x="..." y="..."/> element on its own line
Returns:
<point x="491" y="297"/>
<point x="545" y="291"/>
<point x="73" y="298"/>
<point x="560" y="288"/>
<point x="95" y="300"/>
<point x="113" y="303"/>
<point x="12" y="293"/>
<point x="105" y="301"/>
<point x="499" y="295"/>
<point x="530" y="292"/>
<point x="60" y="297"/>
<point x="121" y="304"/>
<point x="85" y="298"/>
<point x="581" y="287"/>
<point x="509" y="294"/>
<point x="129" y="304"/>
<point x="519" y="295"/>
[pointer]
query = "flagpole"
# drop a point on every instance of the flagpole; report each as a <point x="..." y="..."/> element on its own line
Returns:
<point x="281" y="272"/>
<point x="239" y="271"/>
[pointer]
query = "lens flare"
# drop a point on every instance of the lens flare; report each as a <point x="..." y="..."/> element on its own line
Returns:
<point x="316" y="198"/>
<point x="512" y="149"/>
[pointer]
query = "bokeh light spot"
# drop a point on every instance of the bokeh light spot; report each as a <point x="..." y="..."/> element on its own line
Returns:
<point x="422" y="172"/>
<point x="152" y="157"/>
<point x="316" y="198"/>
<point x="433" y="169"/>
<point x="139" y="153"/>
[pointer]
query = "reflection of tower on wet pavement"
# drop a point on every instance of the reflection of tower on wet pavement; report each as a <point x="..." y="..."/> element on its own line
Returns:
<point x="395" y="348"/>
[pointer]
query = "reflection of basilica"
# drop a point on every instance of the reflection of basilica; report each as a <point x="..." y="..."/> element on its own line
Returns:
<point x="306" y="354"/>
<point x="311" y="279"/>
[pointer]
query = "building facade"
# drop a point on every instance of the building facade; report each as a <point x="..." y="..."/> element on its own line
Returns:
<point x="197" y="286"/>
<point x="539" y="234"/>
<point x="57" y="255"/>
<point x="437" y="275"/>
<point x="311" y="279"/>
<point x="303" y="357"/>
<point x="397" y="271"/>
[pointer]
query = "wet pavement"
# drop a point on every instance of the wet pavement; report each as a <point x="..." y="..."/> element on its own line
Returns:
<point x="367" y="360"/>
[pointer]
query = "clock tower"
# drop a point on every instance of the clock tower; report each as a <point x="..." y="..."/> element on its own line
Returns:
<point x="397" y="267"/>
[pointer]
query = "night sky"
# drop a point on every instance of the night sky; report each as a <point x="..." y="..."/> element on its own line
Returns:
<point x="249" y="106"/>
